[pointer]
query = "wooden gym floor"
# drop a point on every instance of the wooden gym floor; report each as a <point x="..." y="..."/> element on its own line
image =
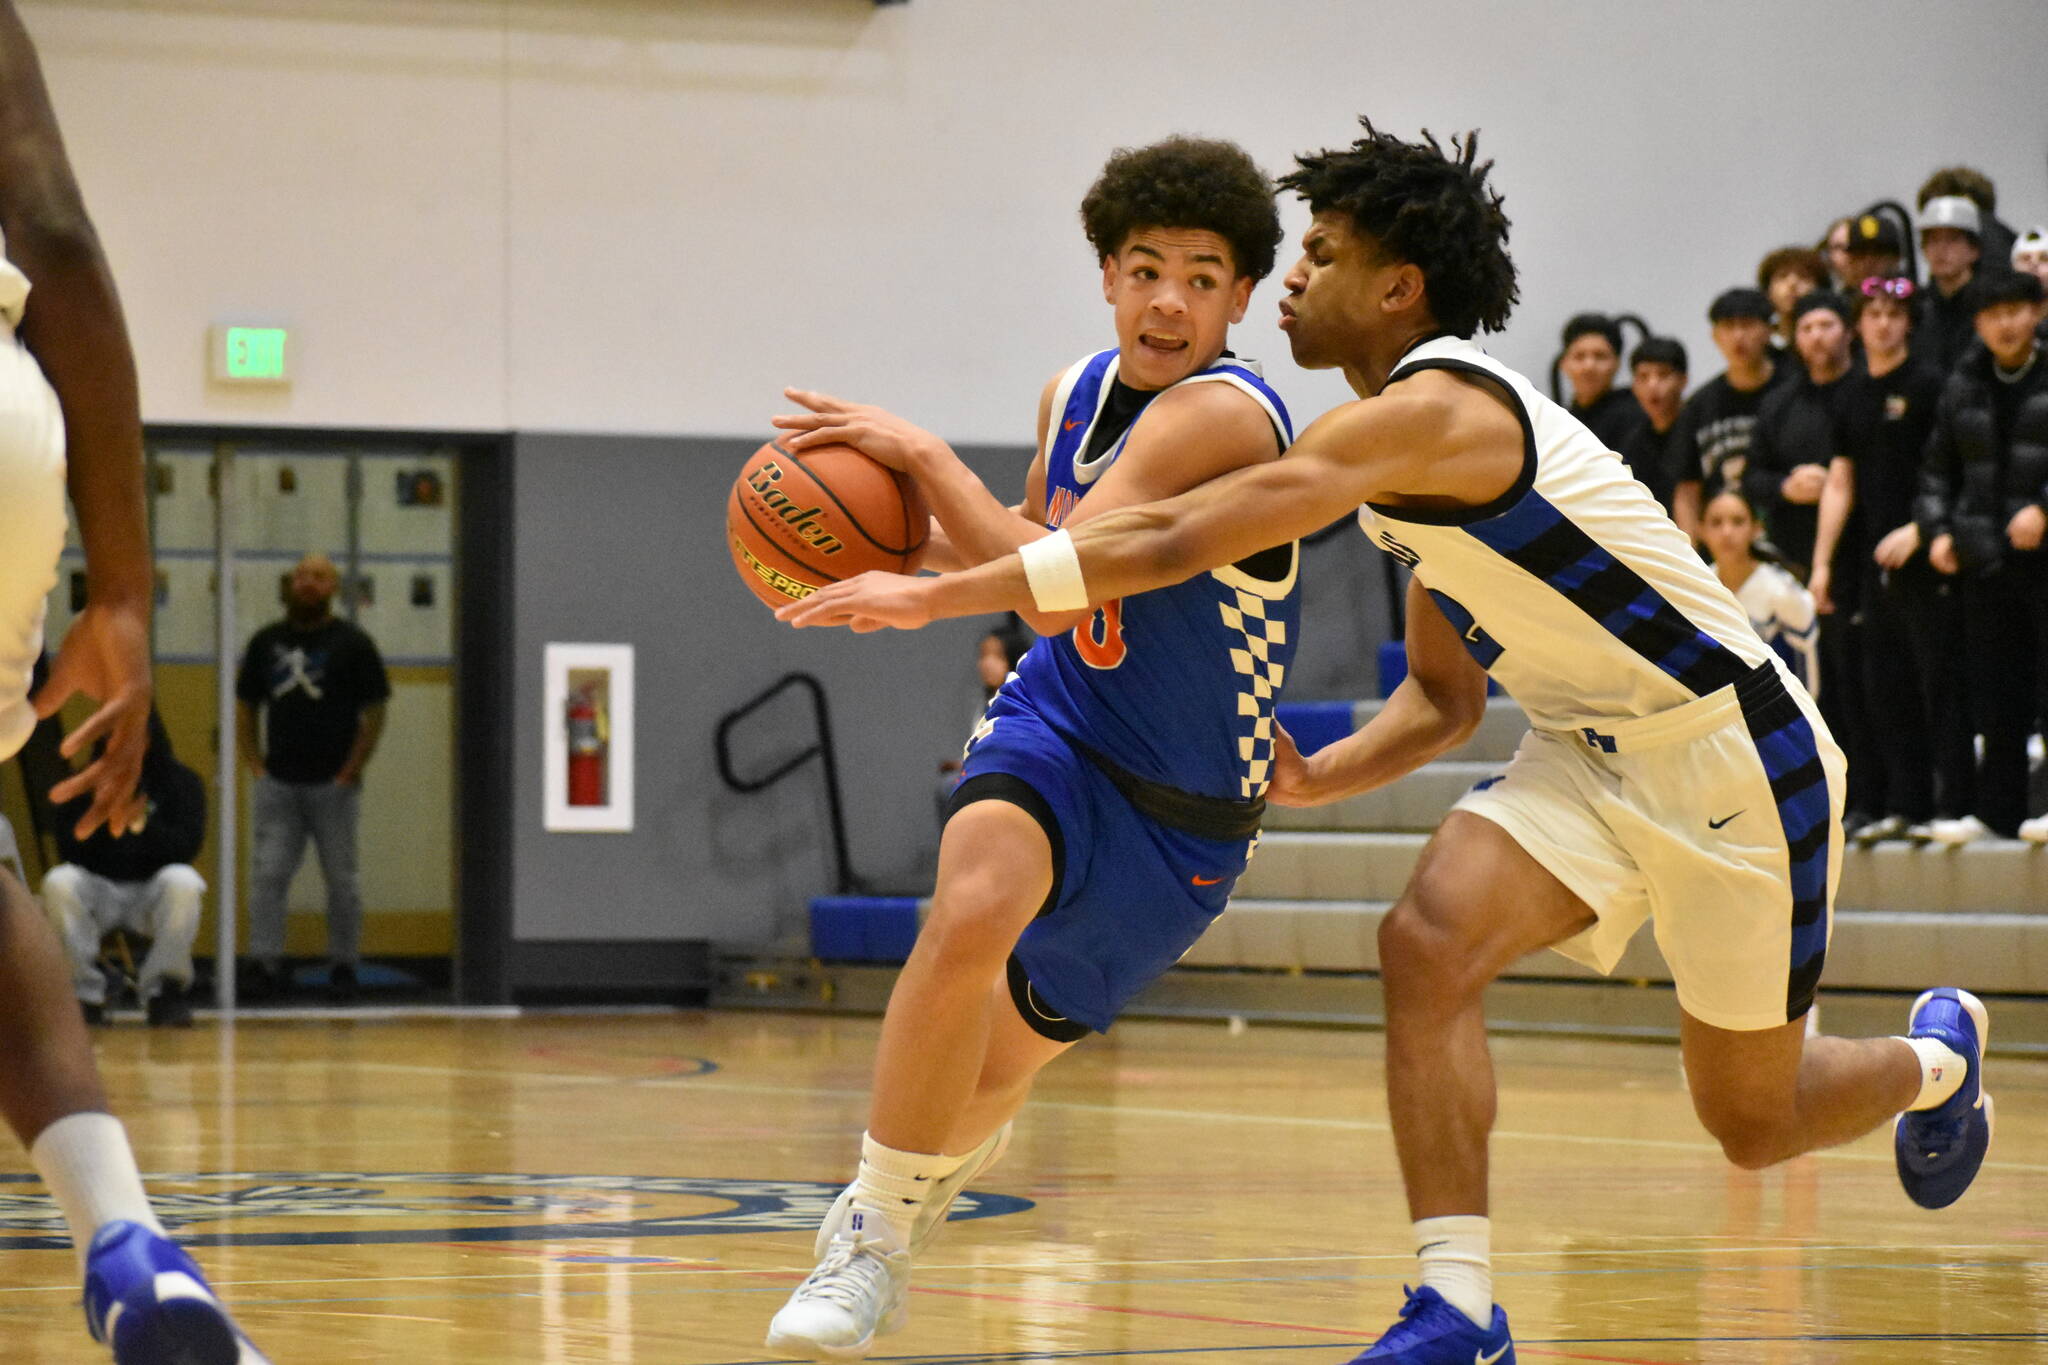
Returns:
<point x="641" y="1189"/>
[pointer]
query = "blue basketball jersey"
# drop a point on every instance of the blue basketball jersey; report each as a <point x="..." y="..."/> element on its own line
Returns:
<point x="1175" y="685"/>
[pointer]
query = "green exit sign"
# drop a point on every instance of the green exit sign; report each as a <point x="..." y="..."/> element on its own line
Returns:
<point x="249" y="355"/>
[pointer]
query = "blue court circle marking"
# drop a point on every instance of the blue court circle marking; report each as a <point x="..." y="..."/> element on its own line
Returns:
<point x="460" y="1201"/>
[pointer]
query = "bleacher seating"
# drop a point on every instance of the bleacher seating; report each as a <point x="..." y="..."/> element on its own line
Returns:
<point x="1314" y="895"/>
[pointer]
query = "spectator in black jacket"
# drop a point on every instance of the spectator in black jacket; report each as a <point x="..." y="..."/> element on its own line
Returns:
<point x="1912" y="643"/>
<point x="1653" y="448"/>
<point x="1951" y="238"/>
<point x="1717" y="420"/>
<point x="1591" y="359"/>
<point x="143" y="882"/>
<point x="1983" y="510"/>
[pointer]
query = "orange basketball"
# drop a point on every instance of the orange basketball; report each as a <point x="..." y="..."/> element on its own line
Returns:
<point x="799" y="521"/>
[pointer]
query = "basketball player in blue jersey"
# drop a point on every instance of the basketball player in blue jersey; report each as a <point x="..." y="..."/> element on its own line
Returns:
<point x="1675" y="771"/>
<point x="69" y="416"/>
<point x="1113" y="791"/>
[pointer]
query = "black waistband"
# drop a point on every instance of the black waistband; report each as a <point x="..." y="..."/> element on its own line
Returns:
<point x="1205" y="817"/>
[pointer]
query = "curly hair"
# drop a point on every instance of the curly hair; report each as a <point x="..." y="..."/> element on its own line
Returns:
<point x="1802" y="259"/>
<point x="1428" y="208"/>
<point x="1963" y="182"/>
<point x="1186" y="182"/>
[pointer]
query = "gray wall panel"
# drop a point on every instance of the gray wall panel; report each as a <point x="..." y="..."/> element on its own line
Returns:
<point x="620" y="540"/>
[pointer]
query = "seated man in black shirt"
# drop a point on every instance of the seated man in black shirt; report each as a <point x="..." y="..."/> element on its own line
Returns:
<point x="1912" y="618"/>
<point x="1652" y="448"/>
<point x="143" y="882"/>
<point x="1591" y="358"/>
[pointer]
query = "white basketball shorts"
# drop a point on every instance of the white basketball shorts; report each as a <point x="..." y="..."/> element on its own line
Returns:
<point x="1719" y="821"/>
<point x="31" y="527"/>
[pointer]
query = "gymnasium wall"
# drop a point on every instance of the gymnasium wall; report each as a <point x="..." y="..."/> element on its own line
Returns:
<point x="648" y="215"/>
<point x="608" y="554"/>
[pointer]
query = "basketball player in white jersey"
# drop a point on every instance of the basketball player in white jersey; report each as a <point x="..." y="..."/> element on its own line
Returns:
<point x="1674" y="771"/>
<point x="67" y="379"/>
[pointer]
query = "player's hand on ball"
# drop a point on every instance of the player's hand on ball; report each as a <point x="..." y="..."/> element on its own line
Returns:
<point x="875" y="432"/>
<point x="869" y="602"/>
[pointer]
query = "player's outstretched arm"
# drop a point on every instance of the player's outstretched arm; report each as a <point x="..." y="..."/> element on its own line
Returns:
<point x="978" y="527"/>
<point x="1344" y="459"/>
<point x="73" y="327"/>
<point x="1436" y="708"/>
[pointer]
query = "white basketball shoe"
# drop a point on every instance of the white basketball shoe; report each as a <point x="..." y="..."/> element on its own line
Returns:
<point x="854" y="1296"/>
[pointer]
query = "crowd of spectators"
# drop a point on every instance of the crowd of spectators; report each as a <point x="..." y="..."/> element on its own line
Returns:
<point x="1869" y="475"/>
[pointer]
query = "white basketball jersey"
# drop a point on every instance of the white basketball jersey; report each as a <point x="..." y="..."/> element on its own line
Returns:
<point x="1573" y="589"/>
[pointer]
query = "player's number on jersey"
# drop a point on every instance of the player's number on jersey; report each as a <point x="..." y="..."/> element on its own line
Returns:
<point x="1100" y="639"/>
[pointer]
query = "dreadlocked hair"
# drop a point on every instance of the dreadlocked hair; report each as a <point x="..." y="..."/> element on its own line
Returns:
<point x="1428" y="208"/>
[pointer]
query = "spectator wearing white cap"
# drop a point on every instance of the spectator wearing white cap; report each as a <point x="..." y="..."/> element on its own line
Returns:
<point x="1975" y="186"/>
<point x="2030" y="255"/>
<point x="1951" y="238"/>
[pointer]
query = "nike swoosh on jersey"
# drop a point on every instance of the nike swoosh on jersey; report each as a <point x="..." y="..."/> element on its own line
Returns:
<point x="1069" y="426"/>
<point x="1205" y="881"/>
<point x="1480" y="1358"/>
<point x="1716" y="824"/>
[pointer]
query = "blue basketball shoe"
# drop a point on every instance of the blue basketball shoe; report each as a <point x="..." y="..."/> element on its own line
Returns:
<point x="1431" y="1332"/>
<point x="146" y="1300"/>
<point x="1940" y="1149"/>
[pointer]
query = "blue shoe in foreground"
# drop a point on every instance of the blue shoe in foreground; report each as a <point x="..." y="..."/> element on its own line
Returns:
<point x="1431" y="1332"/>
<point x="1940" y="1149"/>
<point x="146" y="1300"/>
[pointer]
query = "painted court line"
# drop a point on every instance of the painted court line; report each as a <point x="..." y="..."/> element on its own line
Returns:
<point x="1123" y="1110"/>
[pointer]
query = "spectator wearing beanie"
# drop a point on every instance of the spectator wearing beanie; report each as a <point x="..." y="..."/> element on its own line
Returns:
<point x="1912" y="645"/>
<point x="1716" y="423"/>
<point x="1651" y="448"/>
<point x="1951" y="231"/>
<point x="1983" y="511"/>
<point x="1591" y="358"/>
<point x="1786" y="276"/>
<point x="1797" y="437"/>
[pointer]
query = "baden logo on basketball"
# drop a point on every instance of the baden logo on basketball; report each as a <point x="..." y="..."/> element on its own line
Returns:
<point x="802" y="520"/>
<point x="312" y="1208"/>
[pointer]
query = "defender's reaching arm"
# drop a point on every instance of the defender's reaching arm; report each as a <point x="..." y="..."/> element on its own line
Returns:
<point x="1360" y="452"/>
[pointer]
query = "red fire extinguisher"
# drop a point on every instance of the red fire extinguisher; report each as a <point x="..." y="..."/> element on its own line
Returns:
<point x="586" y="748"/>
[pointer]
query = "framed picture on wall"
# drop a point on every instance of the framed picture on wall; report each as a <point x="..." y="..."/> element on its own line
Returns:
<point x="588" y="738"/>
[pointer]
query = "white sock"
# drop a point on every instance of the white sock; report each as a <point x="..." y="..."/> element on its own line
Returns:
<point x="1457" y="1262"/>
<point x="892" y="1185"/>
<point x="85" y="1160"/>
<point x="1942" y="1071"/>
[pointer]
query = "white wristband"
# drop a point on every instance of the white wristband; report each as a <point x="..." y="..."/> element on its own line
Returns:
<point x="1053" y="570"/>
